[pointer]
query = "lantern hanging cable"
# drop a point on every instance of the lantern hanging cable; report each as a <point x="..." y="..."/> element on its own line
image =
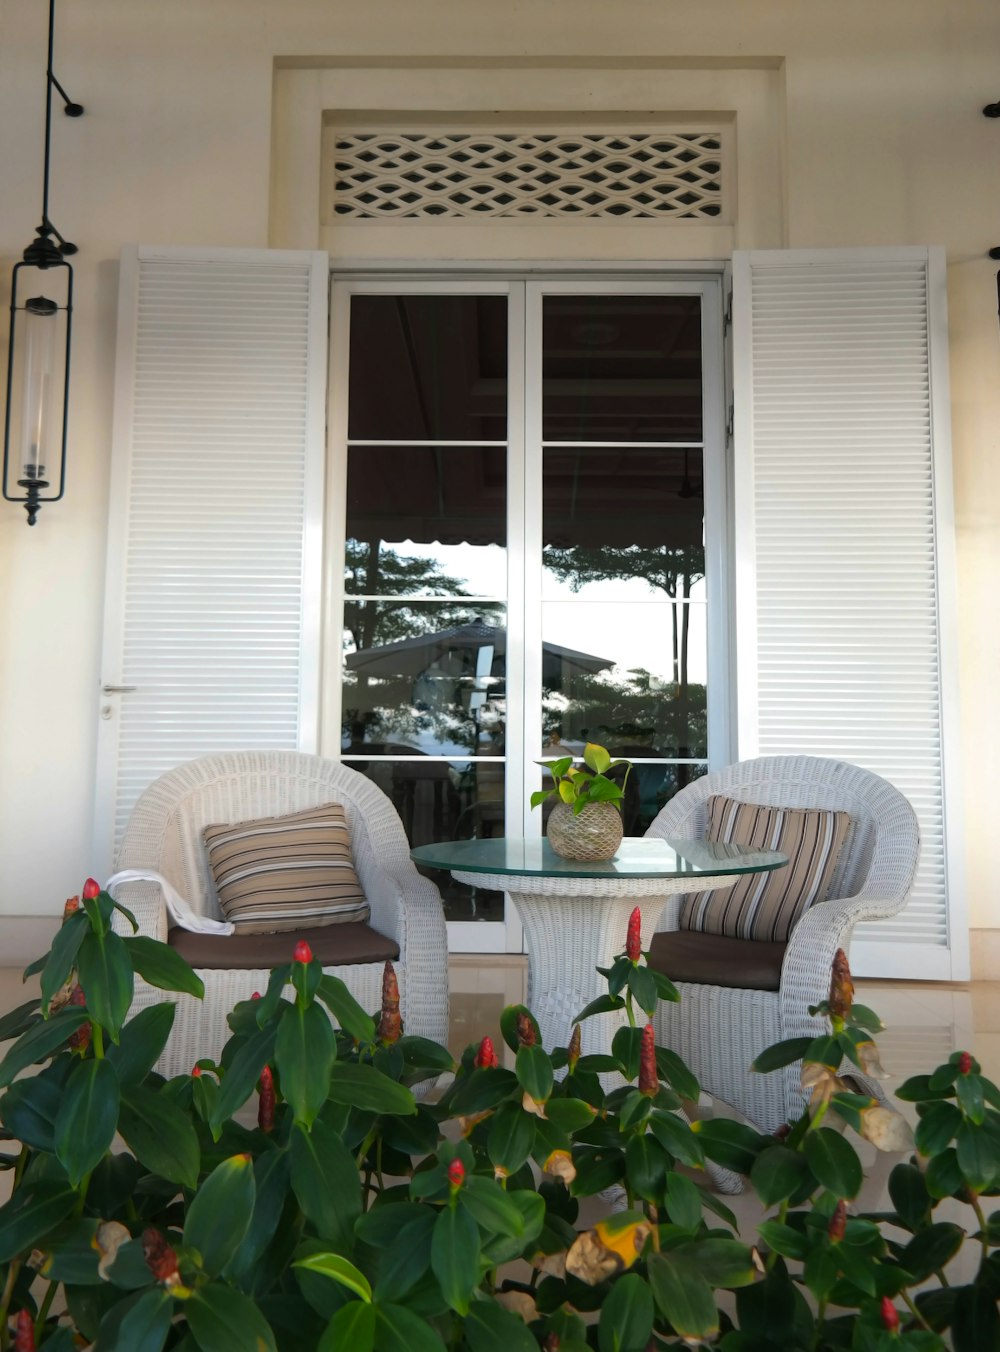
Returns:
<point x="38" y="354"/>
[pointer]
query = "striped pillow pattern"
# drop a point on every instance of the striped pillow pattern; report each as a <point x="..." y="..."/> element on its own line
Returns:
<point x="767" y="906"/>
<point x="286" y="873"/>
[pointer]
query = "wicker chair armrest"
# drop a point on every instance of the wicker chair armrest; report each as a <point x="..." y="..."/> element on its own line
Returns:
<point x="145" y="901"/>
<point x="805" y="975"/>
<point x="406" y="906"/>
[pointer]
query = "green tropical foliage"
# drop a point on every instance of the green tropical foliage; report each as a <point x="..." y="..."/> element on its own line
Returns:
<point x="298" y="1195"/>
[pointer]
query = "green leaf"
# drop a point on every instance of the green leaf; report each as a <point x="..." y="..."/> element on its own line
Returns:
<point x="242" y="1074"/>
<point x="646" y="1166"/>
<point x="865" y="1018"/>
<point x="943" y="1175"/>
<point x="534" y="1072"/>
<point x="728" y="1143"/>
<point x="219" y="1215"/>
<point x="353" y="1326"/>
<point x="626" y="1322"/>
<point x="142" y="1042"/>
<point x="917" y="1089"/>
<point x="491" y="1328"/>
<point x="626" y="1046"/>
<point x="931" y="1249"/>
<point x="977" y="1156"/>
<point x="420" y="1053"/>
<point x="720" y="1261"/>
<point x="909" y="1195"/>
<point x="596" y="758"/>
<point x="834" y="1162"/>
<point x="304" y="1052"/>
<point x="569" y="1114"/>
<point x="674" y="1133"/>
<point x="139" y="1321"/>
<point x="665" y="988"/>
<point x="670" y="1067"/>
<point x="400" y="1330"/>
<point x="455" y="1256"/>
<point x="975" y="1323"/>
<point x="87" y="1120"/>
<point x="511" y="1137"/>
<point x="937" y="1128"/>
<point x="491" y="1207"/>
<point x="969" y="1092"/>
<point x="161" y="966"/>
<point x="105" y="971"/>
<point x="825" y="1051"/>
<point x="224" y="1320"/>
<point x="19" y="1020"/>
<point x="604" y="1004"/>
<point x="784" y="1239"/>
<point x="777" y="1174"/>
<point x="159" y="1134"/>
<point x="29" y="1108"/>
<point x="325" y="1181"/>
<point x="782" y="1054"/>
<point x="338" y="1269"/>
<point x="642" y="984"/>
<point x="509" y="1016"/>
<point x="408" y="1255"/>
<point x="267" y="1005"/>
<point x="35" y="1209"/>
<point x="686" y="1301"/>
<point x="62" y="956"/>
<point x="683" y="1201"/>
<point x="368" y="1090"/>
<point x="40" y="1041"/>
<point x="271" y="1180"/>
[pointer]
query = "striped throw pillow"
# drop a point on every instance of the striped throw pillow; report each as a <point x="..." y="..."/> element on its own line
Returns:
<point x="286" y="873"/>
<point x="768" y="905"/>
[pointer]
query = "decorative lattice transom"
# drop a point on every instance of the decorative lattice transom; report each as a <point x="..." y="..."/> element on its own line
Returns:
<point x="648" y="175"/>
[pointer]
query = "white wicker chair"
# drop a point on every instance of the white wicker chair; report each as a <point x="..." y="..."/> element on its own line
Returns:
<point x="719" y="1030"/>
<point x="164" y="835"/>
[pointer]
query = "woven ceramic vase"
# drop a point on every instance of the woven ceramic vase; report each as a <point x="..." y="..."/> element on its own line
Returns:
<point x="591" y="835"/>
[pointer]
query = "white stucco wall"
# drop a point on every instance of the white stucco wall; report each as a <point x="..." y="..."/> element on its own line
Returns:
<point x="878" y="108"/>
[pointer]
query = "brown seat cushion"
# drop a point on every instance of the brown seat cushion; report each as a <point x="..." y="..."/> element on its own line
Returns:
<point x="717" y="960"/>
<point x="334" y="945"/>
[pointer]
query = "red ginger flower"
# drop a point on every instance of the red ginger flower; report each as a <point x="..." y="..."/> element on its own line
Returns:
<point x="526" y="1035"/>
<point x="649" y="1081"/>
<point x="70" y="908"/>
<point x="303" y="953"/>
<point x="196" y="1071"/>
<point x="486" y="1057"/>
<point x="24" y="1337"/>
<point x="456" y="1173"/>
<point x="265" y="1106"/>
<point x="890" y="1315"/>
<point x="390" y="1027"/>
<point x="838" y="1222"/>
<point x="573" y="1051"/>
<point x="964" y="1063"/>
<point x="633" y="940"/>
<point x="256" y="996"/>
<point x="90" y="889"/>
<point x="841" y="986"/>
<point x="160" y="1257"/>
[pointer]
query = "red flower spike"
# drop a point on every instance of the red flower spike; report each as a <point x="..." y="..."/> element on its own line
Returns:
<point x="456" y="1173"/>
<point x="838" y="1222"/>
<point x="486" y="1057"/>
<point x="90" y="889"/>
<point x="265" y="1107"/>
<point x="70" y="908"/>
<point x="841" y="986"/>
<point x="633" y="941"/>
<point x="390" y="1028"/>
<point x="964" y="1063"/>
<point x="890" y="1315"/>
<point x="24" y="1337"/>
<point x="649" y="1081"/>
<point x="780" y="1133"/>
<point x="303" y="953"/>
<point x="256" y="996"/>
<point x="196" y="1071"/>
<point x="526" y="1035"/>
<point x="573" y="1050"/>
<point x="160" y="1257"/>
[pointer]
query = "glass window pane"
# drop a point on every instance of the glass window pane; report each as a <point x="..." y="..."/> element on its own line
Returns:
<point x="423" y="679"/>
<point x="446" y="800"/>
<point x="426" y="520"/>
<point x="428" y="368"/>
<point x="616" y="516"/>
<point x="647" y="697"/>
<point x="621" y="368"/>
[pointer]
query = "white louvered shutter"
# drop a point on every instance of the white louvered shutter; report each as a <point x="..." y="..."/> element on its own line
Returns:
<point x="212" y="611"/>
<point x="844" y="549"/>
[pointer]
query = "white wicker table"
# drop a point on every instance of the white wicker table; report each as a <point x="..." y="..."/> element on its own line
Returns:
<point x="575" y="914"/>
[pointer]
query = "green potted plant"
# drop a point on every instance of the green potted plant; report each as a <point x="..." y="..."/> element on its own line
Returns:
<point x="339" y="1212"/>
<point x="586" y="821"/>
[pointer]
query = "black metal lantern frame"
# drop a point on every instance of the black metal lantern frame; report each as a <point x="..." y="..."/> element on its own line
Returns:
<point x="38" y="355"/>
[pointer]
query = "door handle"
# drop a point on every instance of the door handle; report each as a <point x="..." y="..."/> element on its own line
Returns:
<point x="118" y="689"/>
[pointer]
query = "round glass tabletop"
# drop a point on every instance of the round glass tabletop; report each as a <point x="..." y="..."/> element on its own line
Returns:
<point x="637" y="857"/>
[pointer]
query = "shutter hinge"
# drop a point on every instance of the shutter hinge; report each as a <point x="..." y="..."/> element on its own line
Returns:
<point x="727" y="318"/>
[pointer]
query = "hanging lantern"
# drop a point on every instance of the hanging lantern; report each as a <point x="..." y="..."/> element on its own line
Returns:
<point x="41" y="309"/>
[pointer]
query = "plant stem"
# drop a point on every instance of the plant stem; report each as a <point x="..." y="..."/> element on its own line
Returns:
<point x="983" y="1238"/>
<point x="20" y="1166"/>
<point x="43" y="1312"/>
<point x="98" y="1040"/>
<point x="911" y="1306"/>
<point x="8" y="1291"/>
<point x="628" y="1009"/>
